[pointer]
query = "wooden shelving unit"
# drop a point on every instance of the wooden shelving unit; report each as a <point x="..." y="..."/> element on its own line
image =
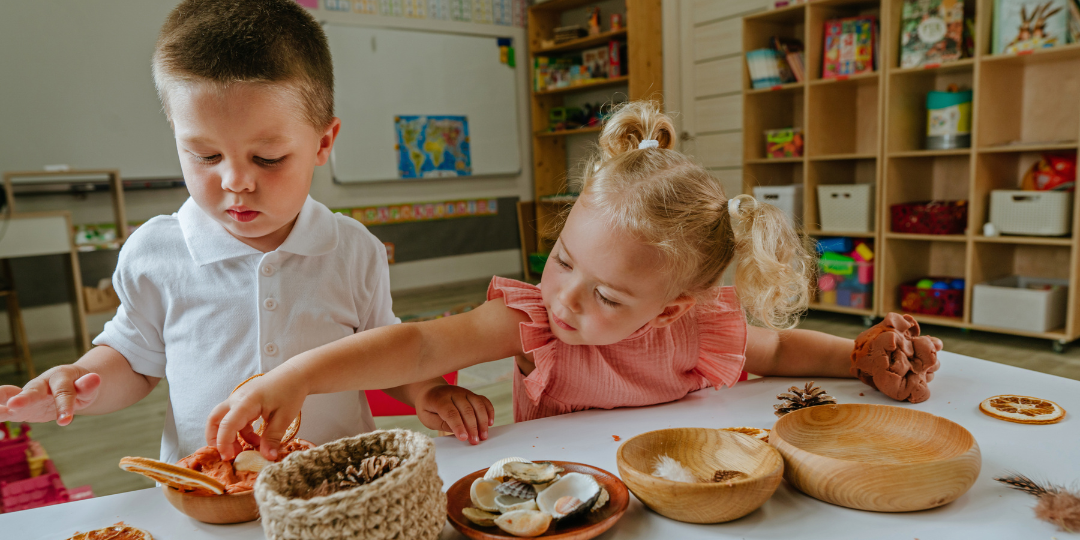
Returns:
<point x="1024" y="105"/>
<point x="643" y="79"/>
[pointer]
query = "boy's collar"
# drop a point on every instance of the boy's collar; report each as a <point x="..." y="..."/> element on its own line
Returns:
<point x="314" y="233"/>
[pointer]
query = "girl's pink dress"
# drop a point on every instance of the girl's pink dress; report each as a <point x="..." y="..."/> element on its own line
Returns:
<point x="706" y="347"/>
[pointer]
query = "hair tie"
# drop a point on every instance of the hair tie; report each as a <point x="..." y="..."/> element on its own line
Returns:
<point x="733" y="206"/>
<point x="648" y="143"/>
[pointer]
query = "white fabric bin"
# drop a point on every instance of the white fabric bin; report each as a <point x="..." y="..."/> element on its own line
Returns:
<point x="846" y="207"/>
<point x="1036" y="213"/>
<point x="1012" y="302"/>
<point x="789" y="199"/>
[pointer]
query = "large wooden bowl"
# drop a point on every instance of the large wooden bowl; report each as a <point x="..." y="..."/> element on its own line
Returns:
<point x="703" y="451"/>
<point x="219" y="509"/>
<point x="876" y="457"/>
<point x="590" y="526"/>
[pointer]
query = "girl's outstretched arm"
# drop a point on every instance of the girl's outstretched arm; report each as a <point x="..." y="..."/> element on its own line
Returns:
<point x="797" y="353"/>
<point x="383" y="357"/>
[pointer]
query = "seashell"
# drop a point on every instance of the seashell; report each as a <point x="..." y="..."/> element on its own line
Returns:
<point x="571" y="496"/>
<point x="542" y="487"/>
<point x="250" y="460"/>
<point x="496" y="471"/>
<point x="479" y="517"/>
<point x="524" y="522"/>
<point x="601" y="500"/>
<point x="509" y="503"/>
<point x="517" y="488"/>
<point x="482" y="494"/>
<point x="532" y="473"/>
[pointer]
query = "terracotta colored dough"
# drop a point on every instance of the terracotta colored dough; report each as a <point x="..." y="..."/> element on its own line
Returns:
<point x="893" y="358"/>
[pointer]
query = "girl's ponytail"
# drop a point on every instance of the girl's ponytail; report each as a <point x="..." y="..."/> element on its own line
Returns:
<point x="773" y="269"/>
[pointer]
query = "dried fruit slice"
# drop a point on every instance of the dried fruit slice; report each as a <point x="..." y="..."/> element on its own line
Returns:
<point x="1022" y="409"/>
<point x="290" y="432"/>
<point x="172" y="475"/>
<point x="757" y="433"/>
<point x="116" y="531"/>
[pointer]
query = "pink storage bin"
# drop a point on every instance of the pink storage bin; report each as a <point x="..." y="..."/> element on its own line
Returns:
<point x="13" y="462"/>
<point x="44" y="490"/>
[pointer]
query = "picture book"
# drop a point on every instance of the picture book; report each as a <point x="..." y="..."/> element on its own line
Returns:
<point x="931" y="32"/>
<point x="850" y="46"/>
<point x="1026" y="25"/>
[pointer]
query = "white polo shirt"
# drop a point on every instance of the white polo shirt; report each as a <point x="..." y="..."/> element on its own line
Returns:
<point x="206" y="311"/>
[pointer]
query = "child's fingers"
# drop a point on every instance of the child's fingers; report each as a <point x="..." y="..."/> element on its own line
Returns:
<point x="481" y="406"/>
<point x="86" y="389"/>
<point x="228" y="420"/>
<point x="468" y="415"/>
<point x="276" y="427"/>
<point x="452" y="418"/>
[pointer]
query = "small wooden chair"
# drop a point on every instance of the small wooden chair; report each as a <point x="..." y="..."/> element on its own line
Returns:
<point x="20" y="346"/>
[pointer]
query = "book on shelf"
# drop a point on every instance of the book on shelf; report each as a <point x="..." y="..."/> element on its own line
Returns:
<point x="583" y="67"/>
<point x="1027" y="25"/>
<point x="781" y="64"/>
<point x="931" y="32"/>
<point x="791" y="50"/>
<point x="850" y="46"/>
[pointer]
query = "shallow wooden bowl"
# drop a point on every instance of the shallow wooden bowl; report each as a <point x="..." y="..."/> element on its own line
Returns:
<point x="703" y="451"/>
<point x="876" y="457"/>
<point x="219" y="509"/>
<point x="590" y="526"/>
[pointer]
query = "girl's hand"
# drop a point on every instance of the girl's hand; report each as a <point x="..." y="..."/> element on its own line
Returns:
<point x="270" y="397"/>
<point x="56" y="394"/>
<point x="447" y="407"/>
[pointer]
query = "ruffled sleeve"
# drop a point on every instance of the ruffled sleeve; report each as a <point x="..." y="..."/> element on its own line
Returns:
<point x="722" y="339"/>
<point x="536" y="335"/>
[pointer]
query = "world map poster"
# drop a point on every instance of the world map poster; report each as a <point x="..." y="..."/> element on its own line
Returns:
<point x="432" y="146"/>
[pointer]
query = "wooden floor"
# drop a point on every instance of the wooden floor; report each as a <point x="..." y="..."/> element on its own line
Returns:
<point x="88" y="450"/>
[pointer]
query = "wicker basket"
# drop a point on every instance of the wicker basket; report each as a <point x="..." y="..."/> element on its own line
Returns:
<point x="406" y="503"/>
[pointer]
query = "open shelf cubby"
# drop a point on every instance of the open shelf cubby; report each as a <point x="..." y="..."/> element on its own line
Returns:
<point x="871" y="128"/>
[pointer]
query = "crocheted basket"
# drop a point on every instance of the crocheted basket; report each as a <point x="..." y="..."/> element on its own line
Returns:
<point x="406" y="503"/>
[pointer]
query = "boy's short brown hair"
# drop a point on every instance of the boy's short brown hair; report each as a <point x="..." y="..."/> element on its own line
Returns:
<point x="247" y="41"/>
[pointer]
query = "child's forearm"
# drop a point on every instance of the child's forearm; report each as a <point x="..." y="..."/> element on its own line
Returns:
<point x="797" y="353"/>
<point x="121" y="386"/>
<point x="409" y="393"/>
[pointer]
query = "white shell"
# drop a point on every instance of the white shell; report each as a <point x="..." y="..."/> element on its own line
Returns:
<point x="479" y="517"/>
<point x="482" y="494"/>
<point x="510" y="503"/>
<point x="532" y="473"/>
<point x="496" y="471"/>
<point x="524" y="522"/>
<point x="573" y="494"/>
<point x="250" y="460"/>
<point x="602" y="500"/>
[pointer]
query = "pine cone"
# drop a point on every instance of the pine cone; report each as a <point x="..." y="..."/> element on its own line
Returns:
<point x="795" y="399"/>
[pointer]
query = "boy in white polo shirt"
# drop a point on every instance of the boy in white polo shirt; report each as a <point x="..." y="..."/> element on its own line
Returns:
<point x="251" y="271"/>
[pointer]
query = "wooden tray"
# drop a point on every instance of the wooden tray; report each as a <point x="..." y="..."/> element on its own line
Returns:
<point x="595" y="523"/>
<point x="876" y="457"/>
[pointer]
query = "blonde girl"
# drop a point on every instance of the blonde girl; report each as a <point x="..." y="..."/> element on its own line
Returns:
<point x="628" y="312"/>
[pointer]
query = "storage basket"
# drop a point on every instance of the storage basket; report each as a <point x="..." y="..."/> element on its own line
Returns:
<point x="406" y="503"/>
<point x="942" y="302"/>
<point x="1021" y="303"/>
<point x="930" y="217"/>
<point x="847" y="284"/>
<point x="846" y="207"/>
<point x="788" y="199"/>
<point x="1037" y="213"/>
<point x="44" y="490"/>
<point x="13" y="457"/>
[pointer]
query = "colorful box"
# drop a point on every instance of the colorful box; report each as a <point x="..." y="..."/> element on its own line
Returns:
<point x="783" y="143"/>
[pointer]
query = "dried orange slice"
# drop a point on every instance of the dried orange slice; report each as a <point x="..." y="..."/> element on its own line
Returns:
<point x="1022" y="409"/>
<point x="757" y="433"/>
<point x="290" y="432"/>
<point x="172" y="475"/>
<point x="117" y="531"/>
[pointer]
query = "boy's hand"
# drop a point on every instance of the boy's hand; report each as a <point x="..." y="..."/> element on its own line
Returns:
<point x="270" y="397"/>
<point x="56" y="394"/>
<point x="447" y="407"/>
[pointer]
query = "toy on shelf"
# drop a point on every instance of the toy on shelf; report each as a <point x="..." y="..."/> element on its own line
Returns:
<point x="28" y="478"/>
<point x="931" y="32"/>
<point x="941" y="296"/>
<point x="930" y="217"/>
<point x="594" y="22"/>
<point x="570" y="118"/>
<point x="846" y="275"/>
<point x="850" y="46"/>
<point x="783" y="143"/>
<point x="616" y="22"/>
<point x="1054" y="172"/>
<point x="583" y="67"/>
<point x="948" y="119"/>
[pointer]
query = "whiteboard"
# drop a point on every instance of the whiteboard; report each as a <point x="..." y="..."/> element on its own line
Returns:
<point x="76" y="88"/>
<point x="384" y="73"/>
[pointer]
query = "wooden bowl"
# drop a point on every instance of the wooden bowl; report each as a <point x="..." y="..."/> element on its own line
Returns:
<point x="876" y="457"/>
<point x="219" y="509"/>
<point x="703" y="451"/>
<point x="592" y="525"/>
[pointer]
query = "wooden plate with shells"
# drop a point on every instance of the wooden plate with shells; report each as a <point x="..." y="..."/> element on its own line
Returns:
<point x="585" y="526"/>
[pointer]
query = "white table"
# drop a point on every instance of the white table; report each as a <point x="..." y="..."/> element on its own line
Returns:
<point x="988" y="510"/>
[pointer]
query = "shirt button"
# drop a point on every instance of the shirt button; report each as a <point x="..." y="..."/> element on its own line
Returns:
<point x="267" y="270"/>
<point x="270" y="304"/>
<point x="270" y="348"/>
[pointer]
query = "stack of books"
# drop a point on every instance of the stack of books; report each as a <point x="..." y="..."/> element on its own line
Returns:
<point x="569" y="33"/>
<point x="781" y="64"/>
<point x="850" y="46"/>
